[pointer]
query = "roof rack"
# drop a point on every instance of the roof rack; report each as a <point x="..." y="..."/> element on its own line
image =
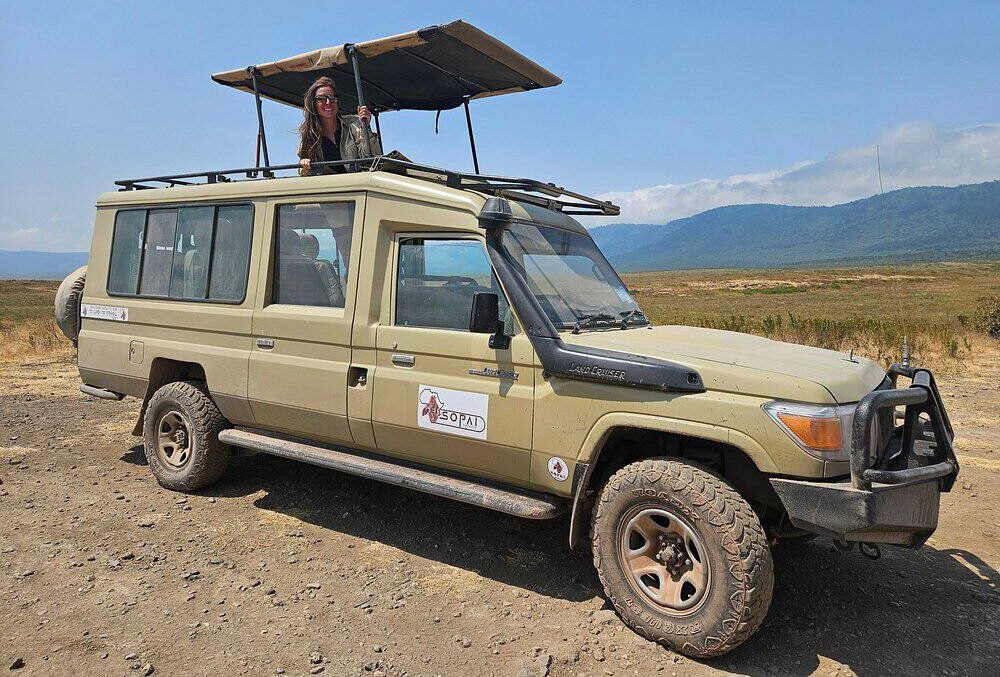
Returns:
<point x="542" y="194"/>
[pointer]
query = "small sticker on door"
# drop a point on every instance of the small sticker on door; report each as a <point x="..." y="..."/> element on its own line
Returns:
<point x="116" y="313"/>
<point x="558" y="469"/>
<point x="453" y="411"/>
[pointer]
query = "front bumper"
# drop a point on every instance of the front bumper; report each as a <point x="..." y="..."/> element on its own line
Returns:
<point x="893" y="493"/>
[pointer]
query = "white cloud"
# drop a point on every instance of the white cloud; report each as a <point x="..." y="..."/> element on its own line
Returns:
<point x="913" y="154"/>
<point x="54" y="236"/>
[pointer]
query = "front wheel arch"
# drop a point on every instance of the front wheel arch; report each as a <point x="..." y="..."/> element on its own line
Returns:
<point x="618" y="440"/>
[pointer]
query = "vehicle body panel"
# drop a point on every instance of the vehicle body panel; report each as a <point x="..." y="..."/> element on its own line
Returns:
<point x="307" y="384"/>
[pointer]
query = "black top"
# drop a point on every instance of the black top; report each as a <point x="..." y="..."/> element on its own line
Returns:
<point x="331" y="152"/>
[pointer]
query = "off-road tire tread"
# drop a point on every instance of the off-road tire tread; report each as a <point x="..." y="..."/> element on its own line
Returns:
<point x="207" y="421"/>
<point x="726" y="511"/>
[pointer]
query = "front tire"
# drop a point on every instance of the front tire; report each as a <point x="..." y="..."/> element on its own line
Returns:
<point x="181" y="437"/>
<point x="682" y="557"/>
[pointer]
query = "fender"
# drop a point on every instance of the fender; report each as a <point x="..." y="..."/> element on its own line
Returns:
<point x="593" y="445"/>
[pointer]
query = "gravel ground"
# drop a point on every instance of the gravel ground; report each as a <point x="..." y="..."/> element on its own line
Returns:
<point x="283" y="568"/>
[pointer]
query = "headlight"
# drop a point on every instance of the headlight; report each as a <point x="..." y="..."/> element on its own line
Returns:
<point x="823" y="431"/>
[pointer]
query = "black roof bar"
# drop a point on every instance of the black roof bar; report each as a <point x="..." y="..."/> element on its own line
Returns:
<point x="540" y="193"/>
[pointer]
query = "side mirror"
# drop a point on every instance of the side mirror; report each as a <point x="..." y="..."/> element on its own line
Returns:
<point x="485" y="319"/>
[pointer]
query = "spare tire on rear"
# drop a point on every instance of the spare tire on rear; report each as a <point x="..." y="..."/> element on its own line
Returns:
<point x="68" y="302"/>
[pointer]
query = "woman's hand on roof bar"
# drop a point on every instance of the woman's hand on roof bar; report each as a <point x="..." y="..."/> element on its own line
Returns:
<point x="364" y="114"/>
<point x="306" y="164"/>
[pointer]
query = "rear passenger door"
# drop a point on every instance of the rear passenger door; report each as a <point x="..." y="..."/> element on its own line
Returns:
<point x="442" y="395"/>
<point x="302" y="325"/>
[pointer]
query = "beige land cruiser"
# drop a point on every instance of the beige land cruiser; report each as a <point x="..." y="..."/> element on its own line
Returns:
<point x="461" y="334"/>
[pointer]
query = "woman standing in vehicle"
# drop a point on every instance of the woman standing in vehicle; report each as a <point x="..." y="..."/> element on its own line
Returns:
<point x="325" y="135"/>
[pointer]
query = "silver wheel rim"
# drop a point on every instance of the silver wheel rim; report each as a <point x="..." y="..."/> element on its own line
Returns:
<point x="664" y="560"/>
<point x="173" y="439"/>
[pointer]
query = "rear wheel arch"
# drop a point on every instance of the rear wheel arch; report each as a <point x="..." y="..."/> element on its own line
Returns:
<point x="629" y="440"/>
<point x="163" y="370"/>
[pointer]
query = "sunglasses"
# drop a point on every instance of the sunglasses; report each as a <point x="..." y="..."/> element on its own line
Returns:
<point x="325" y="98"/>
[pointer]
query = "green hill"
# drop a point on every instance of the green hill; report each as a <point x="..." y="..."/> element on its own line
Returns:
<point x="911" y="224"/>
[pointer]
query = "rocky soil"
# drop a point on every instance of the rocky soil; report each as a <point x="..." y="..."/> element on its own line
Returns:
<point x="283" y="568"/>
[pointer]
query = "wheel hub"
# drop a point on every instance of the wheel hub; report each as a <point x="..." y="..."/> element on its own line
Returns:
<point x="173" y="441"/>
<point x="673" y="556"/>
<point x="664" y="559"/>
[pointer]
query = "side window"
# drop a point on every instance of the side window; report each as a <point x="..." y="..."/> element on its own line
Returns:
<point x="436" y="280"/>
<point x="231" y="253"/>
<point x="312" y="253"/>
<point x="187" y="253"/>
<point x="126" y="251"/>
<point x="158" y="253"/>
<point x="189" y="276"/>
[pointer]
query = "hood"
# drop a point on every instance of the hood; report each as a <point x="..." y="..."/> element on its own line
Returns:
<point x="751" y="365"/>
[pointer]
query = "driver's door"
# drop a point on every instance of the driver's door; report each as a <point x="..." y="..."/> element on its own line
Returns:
<point x="441" y="394"/>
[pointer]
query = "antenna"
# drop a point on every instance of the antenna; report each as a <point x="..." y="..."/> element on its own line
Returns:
<point x="881" y="190"/>
<point x="878" y="165"/>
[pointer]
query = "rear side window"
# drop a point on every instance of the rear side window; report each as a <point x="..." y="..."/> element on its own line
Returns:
<point x="158" y="252"/>
<point x="186" y="253"/>
<point x="126" y="252"/>
<point x="231" y="254"/>
<point x="312" y="253"/>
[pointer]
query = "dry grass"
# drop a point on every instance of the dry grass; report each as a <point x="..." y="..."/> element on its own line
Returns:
<point x="865" y="309"/>
<point x="868" y="310"/>
<point x="27" y="326"/>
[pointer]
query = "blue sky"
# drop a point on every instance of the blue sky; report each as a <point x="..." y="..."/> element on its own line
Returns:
<point x="665" y="106"/>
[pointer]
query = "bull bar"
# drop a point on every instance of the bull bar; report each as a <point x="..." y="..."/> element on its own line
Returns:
<point x="893" y="492"/>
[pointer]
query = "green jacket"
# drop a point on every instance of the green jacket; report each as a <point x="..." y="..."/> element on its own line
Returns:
<point x="352" y="144"/>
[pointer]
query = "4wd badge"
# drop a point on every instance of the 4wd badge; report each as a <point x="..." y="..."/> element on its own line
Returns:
<point x="558" y="469"/>
<point x="453" y="411"/>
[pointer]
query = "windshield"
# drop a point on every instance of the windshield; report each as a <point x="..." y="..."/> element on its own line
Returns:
<point x="573" y="282"/>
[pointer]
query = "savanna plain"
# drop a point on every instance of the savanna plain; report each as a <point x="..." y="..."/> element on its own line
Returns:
<point x="283" y="568"/>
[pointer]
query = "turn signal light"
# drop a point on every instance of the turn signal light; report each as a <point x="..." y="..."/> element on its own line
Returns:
<point x="821" y="434"/>
<point x="822" y="430"/>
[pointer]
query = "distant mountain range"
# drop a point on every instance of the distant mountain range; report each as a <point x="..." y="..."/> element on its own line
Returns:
<point x="911" y="224"/>
<point x="39" y="265"/>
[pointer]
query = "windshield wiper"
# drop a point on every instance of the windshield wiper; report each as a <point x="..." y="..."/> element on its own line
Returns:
<point x="585" y="320"/>
<point x="629" y="314"/>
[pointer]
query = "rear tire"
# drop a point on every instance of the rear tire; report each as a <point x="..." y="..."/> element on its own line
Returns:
<point x="181" y="437"/>
<point x="682" y="557"/>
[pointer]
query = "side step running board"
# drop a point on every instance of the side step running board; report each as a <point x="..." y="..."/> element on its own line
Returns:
<point x="530" y="505"/>
<point x="100" y="393"/>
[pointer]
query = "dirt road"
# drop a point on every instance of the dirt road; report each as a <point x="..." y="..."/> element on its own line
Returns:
<point x="283" y="568"/>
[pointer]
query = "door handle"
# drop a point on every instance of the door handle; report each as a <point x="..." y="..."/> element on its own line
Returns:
<point x="265" y="343"/>
<point x="401" y="360"/>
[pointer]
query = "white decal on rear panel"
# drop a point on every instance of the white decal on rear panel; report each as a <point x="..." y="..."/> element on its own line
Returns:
<point x="116" y="313"/>
<point x="453" y="411"/>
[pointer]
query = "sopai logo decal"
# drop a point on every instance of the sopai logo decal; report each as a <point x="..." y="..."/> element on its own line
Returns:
<point x="558" y="469"/>
<point x="453" y="411"/>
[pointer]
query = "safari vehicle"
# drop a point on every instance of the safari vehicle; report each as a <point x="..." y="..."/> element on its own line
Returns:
<point x="461" y="334"/>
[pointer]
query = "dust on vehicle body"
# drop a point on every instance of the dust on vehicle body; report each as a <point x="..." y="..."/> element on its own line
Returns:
<point x="461" y="334"/>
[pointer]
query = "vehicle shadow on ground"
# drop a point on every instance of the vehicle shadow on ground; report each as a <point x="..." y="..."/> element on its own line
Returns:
<point x="923" y="611"/>
<point x="533" y="555"/>
<point x="135" y="456"/>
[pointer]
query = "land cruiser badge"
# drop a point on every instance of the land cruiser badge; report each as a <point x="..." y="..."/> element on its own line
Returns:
<point x="558" y="469"/>
<point x="453" y="411"/>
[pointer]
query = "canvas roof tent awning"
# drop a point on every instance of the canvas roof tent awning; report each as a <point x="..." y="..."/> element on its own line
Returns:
<point x="434" y="68"/>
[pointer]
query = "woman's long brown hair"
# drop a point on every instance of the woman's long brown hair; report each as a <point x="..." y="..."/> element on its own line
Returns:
<point x="311" y="129"/>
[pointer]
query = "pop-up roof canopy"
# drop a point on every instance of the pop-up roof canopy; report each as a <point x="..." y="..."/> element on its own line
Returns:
<point x="434" y="68"/>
